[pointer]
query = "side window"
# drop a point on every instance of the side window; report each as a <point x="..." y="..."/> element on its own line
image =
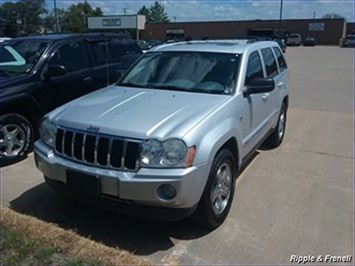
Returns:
<point x="115" y="49"/>
<point x="120" y="47"/>
<point x="99" y="51"/>
<point x="129" y="46"/>
<point x="280" y="58"/>
<point x="255" y="69"/>
<point x="72" y="56"/>
<point x="270" y="62"/>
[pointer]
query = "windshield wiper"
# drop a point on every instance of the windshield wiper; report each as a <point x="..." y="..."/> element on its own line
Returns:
<point x="133" y="85"/>
<point x="172" y="88"/>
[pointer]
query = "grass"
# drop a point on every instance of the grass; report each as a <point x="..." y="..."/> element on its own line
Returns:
<point x="26" y="240"/>
<point x="16" y="249"/>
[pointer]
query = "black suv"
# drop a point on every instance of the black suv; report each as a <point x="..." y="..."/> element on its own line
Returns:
<point x="40" y="73"/>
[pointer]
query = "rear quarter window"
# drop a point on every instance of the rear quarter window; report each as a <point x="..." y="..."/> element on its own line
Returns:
<point x="280" y="58"/>
<point x="270" y="62"/>
<point x="120" y="47"/>
<point x="254" y="69"/>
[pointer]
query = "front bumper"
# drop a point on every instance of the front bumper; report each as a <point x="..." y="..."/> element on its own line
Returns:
<point x="139" y="188"/>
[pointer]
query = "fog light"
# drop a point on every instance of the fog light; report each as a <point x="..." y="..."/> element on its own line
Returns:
<point x="166" y="192"/>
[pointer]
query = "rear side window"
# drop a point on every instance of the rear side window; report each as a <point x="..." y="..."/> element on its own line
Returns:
<point x="270" y="62"/>
<point x="280" y="58"/>
<point x="71" y="56"/>
<point x="255" y="69"/>
<point x="99" y="51"/>
<point x="120" y="47"/>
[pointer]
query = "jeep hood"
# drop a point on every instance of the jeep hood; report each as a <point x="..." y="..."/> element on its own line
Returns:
<point x="138" y="113"/>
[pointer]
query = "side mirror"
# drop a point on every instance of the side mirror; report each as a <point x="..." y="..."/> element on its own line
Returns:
<point x="259" y="85"/>
<point x="55" y="70"/>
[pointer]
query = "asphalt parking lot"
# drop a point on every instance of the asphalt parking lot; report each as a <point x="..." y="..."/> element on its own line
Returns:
<point x="294" y="200"/>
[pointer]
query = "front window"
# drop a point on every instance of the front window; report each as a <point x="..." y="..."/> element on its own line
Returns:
<point x="200" y="72"/>
<point x="20" y="56"/>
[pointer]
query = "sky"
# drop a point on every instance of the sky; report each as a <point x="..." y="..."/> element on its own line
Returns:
<point x="217" y="10"/>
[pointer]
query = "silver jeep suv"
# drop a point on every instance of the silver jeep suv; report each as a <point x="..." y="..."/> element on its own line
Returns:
<point x="168" y="139"/>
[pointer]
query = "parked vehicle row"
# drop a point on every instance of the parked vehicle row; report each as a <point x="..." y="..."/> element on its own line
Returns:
<point x="40" y="73"/>
<point x="168" y="140"/>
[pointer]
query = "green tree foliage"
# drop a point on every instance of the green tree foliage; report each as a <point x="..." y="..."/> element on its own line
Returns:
<point x="144" y="11"/>
<point x="74" y="19"/>
<point x="49" y="21"/>
<point x="155" y="13"/>
<point x="22" y="17"/>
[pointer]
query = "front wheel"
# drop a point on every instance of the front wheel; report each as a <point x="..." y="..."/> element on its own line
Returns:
<point x="276" y="137"/>
<point x="217" y="197"/>
<point x="16" y="138"/>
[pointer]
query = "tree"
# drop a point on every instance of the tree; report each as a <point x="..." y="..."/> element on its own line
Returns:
<point x="332" y="16"/>
<point x="74" y="18"/>
<point x="155" y="13"/>
<point x="49" y="21"/>
<point x="22" y="17"/>
<point x="144" y="11"/>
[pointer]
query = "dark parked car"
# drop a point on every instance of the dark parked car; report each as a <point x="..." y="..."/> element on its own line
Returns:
<point x="309" y="41"/>
<point x="348" y="41"/>
<point x="282" y="44"/>
<point x="40" y="73"/>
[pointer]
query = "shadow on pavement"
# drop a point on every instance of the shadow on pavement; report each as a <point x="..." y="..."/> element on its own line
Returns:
<point x="141" y="237"/>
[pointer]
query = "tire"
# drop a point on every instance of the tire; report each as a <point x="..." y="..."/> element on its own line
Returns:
<point x="277" y="136"/>
<point x="208" y="214"/>
<point x="16" y="138"/>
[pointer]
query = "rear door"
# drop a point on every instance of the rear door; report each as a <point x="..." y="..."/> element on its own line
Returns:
<point x="112" y="57"/>
<point x="281" y="81"/>
<point x="255" y="110"/>
<point x="124" y="52"/>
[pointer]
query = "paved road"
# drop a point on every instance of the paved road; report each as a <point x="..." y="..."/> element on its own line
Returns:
<point x="295" y="200"/>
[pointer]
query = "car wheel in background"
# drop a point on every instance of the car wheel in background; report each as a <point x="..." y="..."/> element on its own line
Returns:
<point x="16" y="138"/>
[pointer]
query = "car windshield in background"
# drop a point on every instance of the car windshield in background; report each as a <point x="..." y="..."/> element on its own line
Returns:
<point x="20" y="56"/>
<point x="201" y="72"/>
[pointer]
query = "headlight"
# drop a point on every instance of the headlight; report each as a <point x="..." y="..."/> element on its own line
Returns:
<point x="48" y="132"/>
<point x="172" y="153"/>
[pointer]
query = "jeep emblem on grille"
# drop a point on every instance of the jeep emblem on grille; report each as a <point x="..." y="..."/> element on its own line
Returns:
<point x="93" y="128"/>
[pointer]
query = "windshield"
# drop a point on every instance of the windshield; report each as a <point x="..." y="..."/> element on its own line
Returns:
<point x="201" y="72"/>
<point x="20" y="56"/>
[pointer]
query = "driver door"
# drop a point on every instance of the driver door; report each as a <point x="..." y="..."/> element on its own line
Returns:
<point x="75" y="83"/>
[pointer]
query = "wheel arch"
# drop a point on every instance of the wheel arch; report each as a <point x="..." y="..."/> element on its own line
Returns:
<point x="25" y="106"/>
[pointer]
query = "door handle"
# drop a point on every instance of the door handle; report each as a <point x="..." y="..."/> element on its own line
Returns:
<point x="87" y="80"/>
<point x="265" y="96"/>
<point x="280" y="84"/>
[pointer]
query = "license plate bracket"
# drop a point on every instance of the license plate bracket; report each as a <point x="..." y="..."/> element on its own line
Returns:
<point x="83" y="183"/>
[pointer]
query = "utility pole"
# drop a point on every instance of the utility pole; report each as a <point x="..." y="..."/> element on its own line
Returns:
<point x="124" y="10"/>
<point x="280" y="21"/>
<point x="56" y="16"/>
<point x="314" y="15"/>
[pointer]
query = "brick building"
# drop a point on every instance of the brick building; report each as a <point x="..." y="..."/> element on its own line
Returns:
<point x="326" y="31"/>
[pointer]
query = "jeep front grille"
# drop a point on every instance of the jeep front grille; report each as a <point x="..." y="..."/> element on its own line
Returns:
<point x="98" y="150"/>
